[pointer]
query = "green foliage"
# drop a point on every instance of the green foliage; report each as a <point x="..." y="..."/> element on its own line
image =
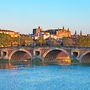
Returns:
<point x="22" y="41"/>
<point x="5" y="40"/>
<point x="25" y="40"/>
<point x="54" y="42"/>
<point x="67" y="41"/>
<point x="83" y="41"/>
<point x="28" y="40"/>
<point x="40" y="41"/>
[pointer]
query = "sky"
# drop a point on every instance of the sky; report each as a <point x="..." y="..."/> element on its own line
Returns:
<point x="25" y="15"/>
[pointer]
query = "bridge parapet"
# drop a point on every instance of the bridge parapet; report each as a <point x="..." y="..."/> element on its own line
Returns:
<point x="6" y="53"/>
<point x="45" y="52"/>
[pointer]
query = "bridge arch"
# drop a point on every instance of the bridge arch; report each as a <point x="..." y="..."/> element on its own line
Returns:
<point x="20" y="54"/>
<point x="53" y="53"/>
<point x="85" y="58"/>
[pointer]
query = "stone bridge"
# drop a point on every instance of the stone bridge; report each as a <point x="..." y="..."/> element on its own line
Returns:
<point x="82" y="54"/>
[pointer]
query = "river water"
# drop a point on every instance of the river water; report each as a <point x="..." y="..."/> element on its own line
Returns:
<point x="44" y="77"/>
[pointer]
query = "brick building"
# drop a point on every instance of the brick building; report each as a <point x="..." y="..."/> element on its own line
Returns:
<point x="10" y="32"/>
<point x="60" y="33"/>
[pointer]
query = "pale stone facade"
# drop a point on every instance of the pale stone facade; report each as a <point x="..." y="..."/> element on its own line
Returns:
<point x="43" y="34"/>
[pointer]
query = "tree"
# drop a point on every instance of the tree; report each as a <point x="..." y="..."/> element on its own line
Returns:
<point x="87" y="41"/>
<point x="67" y="41"/>
<point x="54" y="42"/>
<point x="8" y="39"/>
<point x="83" y="41"/>
<point x="5" y="40"/>
<point x="40" y="41"/>
<point x="28" y="40"/>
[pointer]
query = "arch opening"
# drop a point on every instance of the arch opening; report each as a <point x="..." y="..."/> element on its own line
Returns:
<point x="4" y="54"/>
<point x="37" y="53"/>
<point x="20" y="55"/>
<point x="75" y="54"/>
<point x="85" y="59"/>
<point x="58" y="56"/>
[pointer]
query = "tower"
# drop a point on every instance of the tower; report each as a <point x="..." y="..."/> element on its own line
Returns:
<point x="75" y="32"/>
<point x="80" y="33"/>
<point x="68" y="29"/>
<point x="37" y="30"/>
<point x="63" y="28"/>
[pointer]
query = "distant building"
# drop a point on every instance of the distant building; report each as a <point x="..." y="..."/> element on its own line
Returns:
<point x="43" y="34"/>
<point x="10" y="32"/>
<point x="75" y="35"/>
<point x="53" y="36"/>
<point x="52" y="31"/>
<point x="88" y="35"/>
<point x="37" y="30"/>
<point x="60" y="33"/>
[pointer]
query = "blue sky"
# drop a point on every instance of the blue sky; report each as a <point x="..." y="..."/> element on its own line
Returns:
<point x="24" y="15"/>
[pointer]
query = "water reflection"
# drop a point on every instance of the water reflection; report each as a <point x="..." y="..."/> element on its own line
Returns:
<point x="6" y="66"/>
<point x="12" y="65"/>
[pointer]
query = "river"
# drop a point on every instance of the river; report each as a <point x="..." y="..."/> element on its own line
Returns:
<point x="44" y="77"/>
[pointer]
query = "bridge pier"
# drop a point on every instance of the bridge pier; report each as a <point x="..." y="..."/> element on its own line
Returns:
<point x="4" y="54"/>
<point x="46" y="54"/>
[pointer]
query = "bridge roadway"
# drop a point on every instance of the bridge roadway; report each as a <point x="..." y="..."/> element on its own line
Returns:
<point x="82" y="54"/>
